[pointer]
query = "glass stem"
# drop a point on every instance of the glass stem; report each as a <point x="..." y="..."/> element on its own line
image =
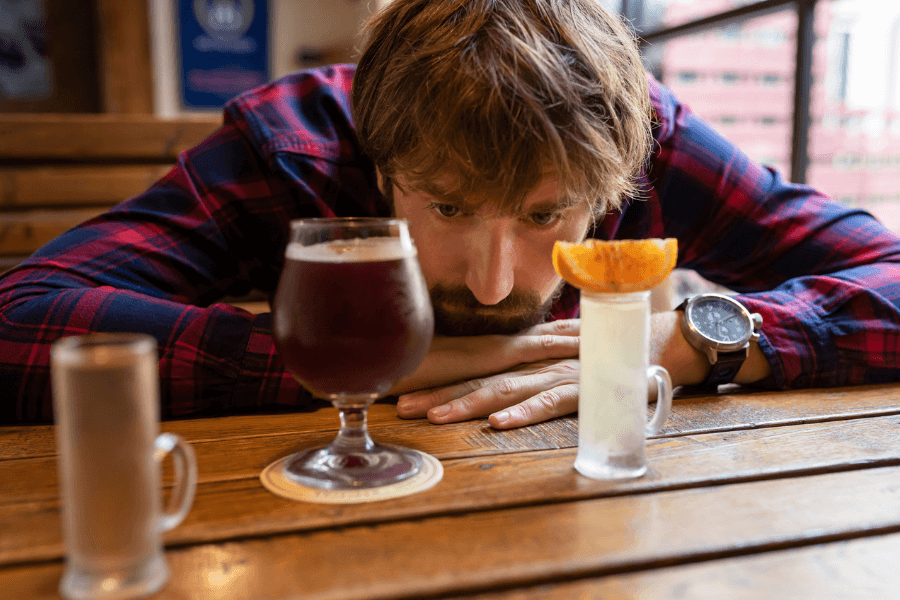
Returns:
<point x="354" y="434"/>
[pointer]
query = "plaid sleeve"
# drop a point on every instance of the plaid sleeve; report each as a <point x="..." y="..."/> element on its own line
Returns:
<point x="161" y="262"/>
<point x="824" y="277"/>
<point x="157" y="264"/>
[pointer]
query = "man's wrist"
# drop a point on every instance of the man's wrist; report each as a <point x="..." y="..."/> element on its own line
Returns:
<point x="689" y="366"/>
<point x="671" y="350"/>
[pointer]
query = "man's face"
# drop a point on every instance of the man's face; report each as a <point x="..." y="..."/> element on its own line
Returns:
<point x="490" y="273"/>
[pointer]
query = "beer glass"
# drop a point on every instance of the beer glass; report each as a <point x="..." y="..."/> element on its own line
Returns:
<point x="106" y="409"/>
<point x="352" y="316"/>
<point x="612" y="403"/>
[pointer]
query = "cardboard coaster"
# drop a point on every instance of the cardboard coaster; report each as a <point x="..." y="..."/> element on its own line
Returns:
<point x="274" y="480"/>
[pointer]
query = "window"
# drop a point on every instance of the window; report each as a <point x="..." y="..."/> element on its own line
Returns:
<point x="730" y="78"/>
<point x="742" y="90"/>
<point x="857" y="54"/>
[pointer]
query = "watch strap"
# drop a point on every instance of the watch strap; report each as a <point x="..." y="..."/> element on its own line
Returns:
<point x="725" y="368"/>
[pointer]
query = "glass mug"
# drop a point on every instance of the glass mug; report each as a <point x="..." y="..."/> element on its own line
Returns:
<point x="106" y="409"/>
<point x="615" y="369"/>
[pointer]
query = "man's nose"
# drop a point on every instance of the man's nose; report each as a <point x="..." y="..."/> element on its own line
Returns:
<point x="492" y="261"/>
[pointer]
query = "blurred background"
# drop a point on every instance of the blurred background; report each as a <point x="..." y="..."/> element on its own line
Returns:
<point x="808" y="87"/>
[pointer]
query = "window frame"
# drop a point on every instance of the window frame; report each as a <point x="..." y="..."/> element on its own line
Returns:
<point x="632" y="10"/>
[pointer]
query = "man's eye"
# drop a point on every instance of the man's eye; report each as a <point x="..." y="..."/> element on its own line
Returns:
<point x="446" y="210"/>
<point x="544" y="218"/>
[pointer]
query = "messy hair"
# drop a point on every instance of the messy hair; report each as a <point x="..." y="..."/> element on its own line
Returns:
<point x="489" y="96"/>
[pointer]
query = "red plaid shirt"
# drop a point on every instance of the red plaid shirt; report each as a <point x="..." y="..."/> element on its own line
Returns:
<point x="825" y="278"/>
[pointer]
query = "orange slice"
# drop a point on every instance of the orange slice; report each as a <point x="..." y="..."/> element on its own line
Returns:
<point x="619" y="266"/>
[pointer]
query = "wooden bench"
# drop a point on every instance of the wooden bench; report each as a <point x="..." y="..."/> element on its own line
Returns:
<point x="58" y="170"/>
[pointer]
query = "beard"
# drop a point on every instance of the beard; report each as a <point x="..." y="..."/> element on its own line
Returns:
<point x="457" y="312"/>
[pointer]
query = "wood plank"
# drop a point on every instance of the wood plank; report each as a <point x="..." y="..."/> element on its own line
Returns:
<point x="691" y="414"/>
<point x="526" y="546"/>
<point x="34" y="479"/>
<point x="852" y="570"/>
<point x="85" y="137"/>
<point x="321" y="419"/>
<point x="740" y="408"/>
<point x="221" y="512"/>
<point x="24" y="232"/>
<point x="69" y="186"/>
<point x="125" y="67"/>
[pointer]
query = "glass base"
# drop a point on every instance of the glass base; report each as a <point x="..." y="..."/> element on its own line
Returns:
<point x="81" y="584"/>
<point x="327" y="469"/>
<point x="613" y="468"/>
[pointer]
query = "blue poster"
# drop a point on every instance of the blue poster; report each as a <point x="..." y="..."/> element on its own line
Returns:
<point x="224" y="49"/>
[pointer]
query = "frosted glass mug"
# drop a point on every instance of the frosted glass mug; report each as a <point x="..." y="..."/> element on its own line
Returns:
<point x="106" y="408"/>
<point x="615" y="370"/>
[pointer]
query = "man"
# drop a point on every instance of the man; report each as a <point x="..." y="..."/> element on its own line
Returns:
<point x="495" y="127"/>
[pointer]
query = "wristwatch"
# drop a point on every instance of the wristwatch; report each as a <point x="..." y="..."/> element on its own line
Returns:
<point x="722" y="328"/>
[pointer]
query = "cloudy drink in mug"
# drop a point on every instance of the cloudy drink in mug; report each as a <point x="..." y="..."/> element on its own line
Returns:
<point x="612" y="405"/>
<point x="615" y="278"/>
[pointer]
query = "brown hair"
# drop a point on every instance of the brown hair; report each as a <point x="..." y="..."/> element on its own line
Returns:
<point x="491" y="95"/>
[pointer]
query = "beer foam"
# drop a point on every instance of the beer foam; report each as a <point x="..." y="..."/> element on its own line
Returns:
<point x="357" y="250"/>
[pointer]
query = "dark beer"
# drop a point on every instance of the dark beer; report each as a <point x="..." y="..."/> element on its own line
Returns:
<point x="352" y="317"/>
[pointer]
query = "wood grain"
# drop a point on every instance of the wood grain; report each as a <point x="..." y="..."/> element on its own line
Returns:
<point x="34" y="479"/>
<point x="481" y="483"/>
<point x="743" y="408"/>
<point x="853" y="570"/>
<point x="82" y="137"/>
<point x="529" y="545"/>
<point x="68" y="186"/>
<point x="690" y="415"/>
<point x="125" y="65"/>
<point x="320" y="421"/>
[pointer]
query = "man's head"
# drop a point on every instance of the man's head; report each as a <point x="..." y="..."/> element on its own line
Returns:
<point x="498" y="126"/>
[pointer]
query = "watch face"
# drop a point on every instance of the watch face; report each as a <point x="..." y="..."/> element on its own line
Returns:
<point x="720" y="320"/>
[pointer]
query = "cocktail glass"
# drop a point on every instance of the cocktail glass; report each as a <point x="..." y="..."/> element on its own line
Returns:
<point x="352" y="316"/>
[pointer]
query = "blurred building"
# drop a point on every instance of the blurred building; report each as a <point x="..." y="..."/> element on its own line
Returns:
<point x="740" y="78"/>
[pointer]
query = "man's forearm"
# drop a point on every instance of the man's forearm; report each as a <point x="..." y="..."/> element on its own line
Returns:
<point x="686" y="364"/>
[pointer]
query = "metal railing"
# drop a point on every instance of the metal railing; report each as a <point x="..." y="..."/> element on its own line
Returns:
<point x="805" y="39"/>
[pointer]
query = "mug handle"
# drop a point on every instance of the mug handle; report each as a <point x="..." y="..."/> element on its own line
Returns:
<point x="185" y="461"/>
<point x="663" y="399"/>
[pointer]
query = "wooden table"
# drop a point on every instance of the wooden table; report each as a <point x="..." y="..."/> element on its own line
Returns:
<point x="749" y="495"/>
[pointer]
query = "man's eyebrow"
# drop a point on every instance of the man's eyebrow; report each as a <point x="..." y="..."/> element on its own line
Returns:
<point x="458" y="199"/>
<point x="449" y="196"/>
<point x="561" y="203"/>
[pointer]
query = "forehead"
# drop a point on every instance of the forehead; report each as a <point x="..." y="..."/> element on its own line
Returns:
<point x="546" y="195"/>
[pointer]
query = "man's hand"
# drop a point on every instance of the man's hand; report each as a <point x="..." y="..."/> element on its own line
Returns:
<point x="533" y="376"/>
<point x="536" y="365"/>
<point x="526" y="394"/>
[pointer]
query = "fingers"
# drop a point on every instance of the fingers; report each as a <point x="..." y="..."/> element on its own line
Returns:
<point x="481" y="397"/>
<point x="417" y="404"/>
<point x="548" y="404"/>
<point x="569" y="327"/>
<point x="534" y="348"/>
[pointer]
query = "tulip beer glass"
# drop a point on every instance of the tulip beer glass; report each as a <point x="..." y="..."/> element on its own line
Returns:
<point x="351" y="317"/>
